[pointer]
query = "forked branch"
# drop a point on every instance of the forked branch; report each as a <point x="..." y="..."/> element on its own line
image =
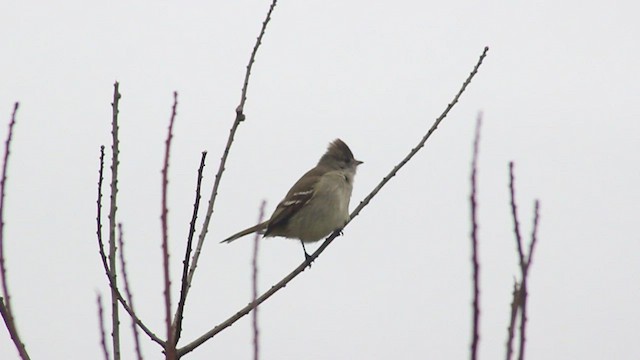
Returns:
<point x="282" y="283"/>
<point x="238" y="119"/>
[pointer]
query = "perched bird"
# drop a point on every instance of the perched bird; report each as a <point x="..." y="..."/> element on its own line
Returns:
<point x="317" y="204"/>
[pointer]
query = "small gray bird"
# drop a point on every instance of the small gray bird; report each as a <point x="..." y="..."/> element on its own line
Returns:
<point x="317" y="204"/>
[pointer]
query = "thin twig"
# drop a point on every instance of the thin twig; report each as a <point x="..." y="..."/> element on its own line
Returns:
<point x="103" y="336"/>
<point x="514" y="215"/>
<point x="105" y="263"/>
<point x="524" y="288"/>
<point x="127" y="290"/>
<point x="254" y="281"/>
<point x="7" y="311"/>
<point x="238" y="119"/>
<point x="282" y="283"/>
<point x="475" y="334"/>
<point x="115" y="317"/>
<point x="515" y="305"/>
<point x="177" y="320"/>
<point x="170" y="348"/>
<point x="534" y="232"/>
<point x="524" y="262"/>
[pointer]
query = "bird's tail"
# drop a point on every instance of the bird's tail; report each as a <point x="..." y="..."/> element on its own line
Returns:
<point x="257" y="228"/>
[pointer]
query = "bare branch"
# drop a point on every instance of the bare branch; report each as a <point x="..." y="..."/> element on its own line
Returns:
<point x="282" y="283"/>
<point x="239" y="118"/>
<point x="5" y="301"/>
<point x="514" y="215"/>
<point x="524" y="262"/>
<point x="105" y="263"/>
<point x="127" y="289"/>
<point x="170" y="348"/>
<point x="515" y="305"/>
<point x="534" y="232"/>
<point x="475" y="335"/>
<point x="254" y="278"/>
<point x="421" y="143"/>
<point x="103" y="336"/>
<point x="177" y="320"/>
<point x="524" y="288"/>
<point x="115" y="146"/>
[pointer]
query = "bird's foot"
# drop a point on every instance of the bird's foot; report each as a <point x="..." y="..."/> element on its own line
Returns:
<point x="308" y="259"/>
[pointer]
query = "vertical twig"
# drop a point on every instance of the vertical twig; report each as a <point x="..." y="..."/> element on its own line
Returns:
<point x="524" y="287"/>
<point x="514" y="215"/>
<point x="177" y="320"/>
<point x="475" y="335"/>
<point x="105" y="264"/>
<point x="524" y="262"/>
<point x="170" y="347"/>
<point x="5" y="301"/>
<point x="127" y="289"/>
<point x="515" y="305"/>
<point x="254" y="278"/>
<point x="103" y="336"/>
<point x="115" y="162"/>
<point x="239" y="118"/>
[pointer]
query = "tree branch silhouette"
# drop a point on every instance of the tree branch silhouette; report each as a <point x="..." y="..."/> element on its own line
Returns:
<point x="521" y="290"/>
<point x="240" y="117"/>
<point x="5" y="300"/>
<point x="282" y="283"/>
<point x="475" y="333"/>
<point x="177" y="324"/>
<point x="170" y="344"/>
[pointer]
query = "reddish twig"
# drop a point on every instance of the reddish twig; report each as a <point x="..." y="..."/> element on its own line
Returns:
<point x="282" y="283"/>
<point x="5" y="300"/>
<point x="177" y="320"/>
<point x="105" y="264"/>
<point x="103" y="336"/>
<point x="238" y="119"/>
<point x="254" y="278"/>
<point x="127" y="290"/>
<point x="474" y="243"/>
<point x="170" y="347"/>
<point x="115" y="317"/>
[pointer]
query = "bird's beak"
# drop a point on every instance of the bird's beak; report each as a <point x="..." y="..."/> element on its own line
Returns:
<point x="358" y="162"/>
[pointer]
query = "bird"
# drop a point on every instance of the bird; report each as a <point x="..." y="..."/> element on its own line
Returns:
<point x="317" y="204"/>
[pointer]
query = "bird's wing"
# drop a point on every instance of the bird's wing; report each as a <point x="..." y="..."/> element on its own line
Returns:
<point x="299" y="195"/>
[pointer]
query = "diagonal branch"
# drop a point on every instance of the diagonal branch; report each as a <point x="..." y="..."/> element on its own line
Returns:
<point x="177" y="320"/>
<point x="282" y="283"/>
<point x="534" y="232"/>
<point x="240" y="117"/>
<point x="5" y="300"/>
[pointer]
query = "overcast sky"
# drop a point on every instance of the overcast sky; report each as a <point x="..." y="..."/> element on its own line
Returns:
<point x="559" y="92"/>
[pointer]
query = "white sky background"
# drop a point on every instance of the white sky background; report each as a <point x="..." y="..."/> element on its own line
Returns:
<point x="559" y="92"/>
